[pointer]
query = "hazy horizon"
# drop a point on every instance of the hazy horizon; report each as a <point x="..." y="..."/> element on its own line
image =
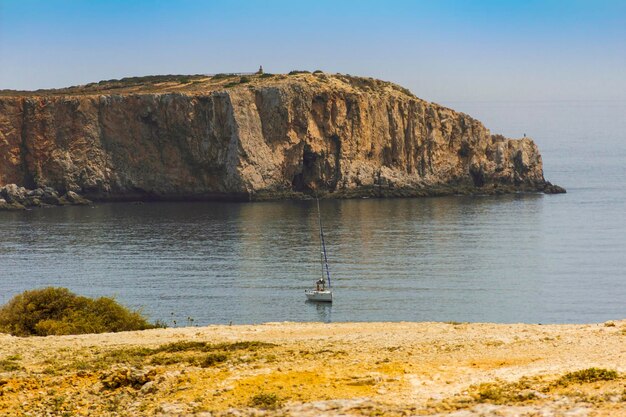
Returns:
<point x="443" y="51"/>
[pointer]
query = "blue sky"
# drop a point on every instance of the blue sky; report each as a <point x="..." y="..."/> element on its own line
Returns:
<point x="443" y="50"/>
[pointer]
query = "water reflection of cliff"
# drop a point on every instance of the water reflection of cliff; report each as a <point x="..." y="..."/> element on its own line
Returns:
<point x="403" y="259"/>
<point x="409" y="252"/>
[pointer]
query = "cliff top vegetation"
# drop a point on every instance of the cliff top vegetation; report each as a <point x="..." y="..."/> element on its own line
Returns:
<point x="202" y="83"/>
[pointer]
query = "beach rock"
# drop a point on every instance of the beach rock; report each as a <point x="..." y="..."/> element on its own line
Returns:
<point x="122" y="376"/>
<point x="5" y="206"/>
<point x="171" y="409"/>
<point x="51" y="198"/>
<point x="15" y="197"/>
<point x="73" y="198"/>
<point x="13" y="193"/>
<point x="553" y="189"/>
<point x="37" y="192"/>
<point x="12" y="197"/>
<point x="149" y="387"/>
<point x="273" y="137"/>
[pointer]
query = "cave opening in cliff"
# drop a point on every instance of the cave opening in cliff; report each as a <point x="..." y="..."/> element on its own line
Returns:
<point x="305" y="180"/>
<point x="319" y="169"/>
<point x="478" y="176"/>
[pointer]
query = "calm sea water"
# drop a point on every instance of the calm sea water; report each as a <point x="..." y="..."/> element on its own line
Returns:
<point x="520" y="258"/>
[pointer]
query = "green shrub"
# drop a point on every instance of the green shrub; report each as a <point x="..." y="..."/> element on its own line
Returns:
<point x="244" y="80"/>
<point x="182" y="346"/>
<point x="213" y="359"/>
<point x="264" y="401"/>
<point x="248" y="345"/>
<point x="266" y="75"/>
<point x="167" y="360"/>
<point x="57" y="311"/>
<point x="295" y="72"/>
<point x="9" y="364"/>
<point x="587" y="375"/>
<point x="501" y="392"/>
<point x="402" y="90"/>
<point x="223" y="75"/>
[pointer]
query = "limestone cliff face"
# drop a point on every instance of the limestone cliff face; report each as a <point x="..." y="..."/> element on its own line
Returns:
<point x="272" y="137"/>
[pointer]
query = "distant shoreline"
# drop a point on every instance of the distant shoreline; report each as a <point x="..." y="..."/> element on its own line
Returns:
<point x="59" y="199"/>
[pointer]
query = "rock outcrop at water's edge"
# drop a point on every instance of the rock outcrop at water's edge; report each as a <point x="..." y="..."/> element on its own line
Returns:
<point x="14" y="197"/>
<point x="264" y="137"/>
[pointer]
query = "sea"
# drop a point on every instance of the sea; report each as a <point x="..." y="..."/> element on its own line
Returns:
<point x="529" y="258"/>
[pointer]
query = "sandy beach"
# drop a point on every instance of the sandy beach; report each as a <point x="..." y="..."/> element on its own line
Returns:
<point x="314" y="369"/>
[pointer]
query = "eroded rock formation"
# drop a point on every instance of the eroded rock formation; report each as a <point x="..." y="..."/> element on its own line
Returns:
<point x="255" y="138"/>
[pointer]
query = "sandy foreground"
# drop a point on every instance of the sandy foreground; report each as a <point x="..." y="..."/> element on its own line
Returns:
<point x="314" y="369"/>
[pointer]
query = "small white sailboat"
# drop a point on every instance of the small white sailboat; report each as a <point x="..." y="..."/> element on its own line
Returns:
<point x="323" y="290"/>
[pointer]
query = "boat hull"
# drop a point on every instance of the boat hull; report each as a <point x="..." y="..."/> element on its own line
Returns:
<point x="322" y="296"/>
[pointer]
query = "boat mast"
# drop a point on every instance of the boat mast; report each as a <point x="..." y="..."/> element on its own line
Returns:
<point x="323" y="244"/>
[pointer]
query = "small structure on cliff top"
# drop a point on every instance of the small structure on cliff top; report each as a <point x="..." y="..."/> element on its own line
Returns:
<point x="260" y="71"/>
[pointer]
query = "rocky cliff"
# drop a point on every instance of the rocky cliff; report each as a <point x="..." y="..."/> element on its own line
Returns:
<point x="254" y="137"/>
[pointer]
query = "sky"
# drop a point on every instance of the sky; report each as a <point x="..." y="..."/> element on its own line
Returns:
<point x="442" y="50"/>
